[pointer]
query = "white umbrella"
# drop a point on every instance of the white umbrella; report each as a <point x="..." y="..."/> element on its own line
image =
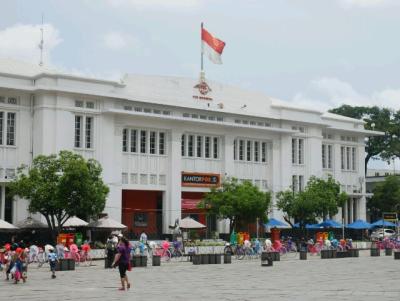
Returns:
<point x="74" y="221"/>
<point x="190" y="223"/>
<point x="106" y="223"/>
<point x="6" y="226"/>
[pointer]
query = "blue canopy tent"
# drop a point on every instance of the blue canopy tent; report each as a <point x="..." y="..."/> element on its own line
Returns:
<point x="308" y="226"/>
<point x="330" y="224"/>
<point x="383" y="223"/>
<point x="359" y="225"/>
<point x="274" y="223"/>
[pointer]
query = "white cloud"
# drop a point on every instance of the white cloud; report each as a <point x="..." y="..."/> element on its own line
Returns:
<point x="155" y="4"/>
<point x="21" y="41"/>
<point x="115" y="40"/>
<point x="366" y="3"/>
<point x="327" y="93"/>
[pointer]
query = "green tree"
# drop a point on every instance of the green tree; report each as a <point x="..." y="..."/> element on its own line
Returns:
<point x="380" y="119"/>
<point x="320" y="199"/>
<point x="386" y="196"/>
<point x="61" y="186"/>
<point x="242" y="203"/>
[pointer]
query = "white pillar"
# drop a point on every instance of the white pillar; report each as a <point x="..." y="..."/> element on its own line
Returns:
<point x="345" y="211"/>
<point x="14" y="211"/>
<point x="172" y="198"/>
<point x="351" y="210"/>
<point x="2" y="202"/>
<point x="362" y="212"/>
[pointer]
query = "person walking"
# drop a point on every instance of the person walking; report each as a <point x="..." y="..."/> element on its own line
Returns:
<point x="122" y="260"/>
<point x="53" y="259"/>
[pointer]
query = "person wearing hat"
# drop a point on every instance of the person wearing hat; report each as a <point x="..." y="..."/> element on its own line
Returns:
<point x="53" y="259"/>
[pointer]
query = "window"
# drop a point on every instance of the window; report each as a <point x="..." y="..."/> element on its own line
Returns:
<point x="301" y="151"/>
<point x="342" y="157"/>
<point x="153" y="179"/>
<point x="256" y="151"/>
<point x="324" y="156"/>
<point x="137" y="109"/>
<point x="190" y="145"/>
<point x="143" y="179"/>
<point x="143" y="141"/>
<point x="124" y="178"/>
<point x="207" y="146"/>
<point x="88" y="132"/>
<point x="134" y="178"/>
<point x="301" y="183"/>
<point x="329" y="156"/>
<point x="10" y="128"/>
<point x="294" y="183"/>
<point x="127" y="108"/>
<point x="2" y="99"/>
<point x="12" y="100"/>
<point x="248" y="150"/>
<point x="199" y="146"/>
<point x="353" y="158"/>
<point x="241" y="150"/>
<point x="294" y="151"/>
<point x="90" y="105"/>
<point x="166" y="112"/>
<point x="235" y="149"/>
<point x="79" y="103"/>
<point x="147" y="110"/>
<point x="215" y="147"/>
<point x="1" y="127"/>
<point x="263" y="152"/>
<point x="152" y="142"/>
<point x="161" y="143"/>
<point x="78" y="131"/>
<point x="183" y="145"/>
<point x="156" y="111"/>
<point x="133" y="141"/>
<point x="348" y="158"/>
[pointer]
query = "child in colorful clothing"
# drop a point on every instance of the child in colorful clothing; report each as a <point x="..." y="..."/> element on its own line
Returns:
<point x="53" y="259"/>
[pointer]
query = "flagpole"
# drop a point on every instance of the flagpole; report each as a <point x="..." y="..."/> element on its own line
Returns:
<point x="201" y="44"/>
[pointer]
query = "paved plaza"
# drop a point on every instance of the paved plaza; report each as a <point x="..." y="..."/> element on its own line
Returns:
<point x="363" y="278"/>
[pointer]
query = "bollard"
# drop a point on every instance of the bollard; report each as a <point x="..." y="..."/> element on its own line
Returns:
<point x="388" y="251"/>
<point x="135" y="261"/>
<point x="71" y="264"/>
<point x="354" y="253"/>
<point x="266" y="259"/>
<point x="303" y="255"/>
<point x="156" y="260"/>
<point x="196" y="259"/>
<point x="396" y="255"/>
<point x="375" y="252"/>
<point x="228" y="258"/>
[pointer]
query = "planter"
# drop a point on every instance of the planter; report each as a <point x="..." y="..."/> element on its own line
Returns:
<point x="325" y="254"/>
<point x="266" y="259"/>
<point x="196" y="259"/>
<point x="135" y="261"/>
<point x="71" y="264"/>
<point x="396" y="254"/>
<point x="211" y="258"/>
<point x="204" y="259"/>
<point x="388" y="252"/>
<point x="143" y="261"/>
<point x="303" y="255"/>
<point x="375" y="252"/>
<point x="276" y="256"/>
<point x="156" y="261"/>
<point x="217" y="258"/>
<point x="227" y="258"/>
<point x="354" y="253"/>
<point x="342" y="254"/>
<point x="62" y="265"/>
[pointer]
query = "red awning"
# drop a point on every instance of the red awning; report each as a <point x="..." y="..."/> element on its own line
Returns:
<point x="190" y="204"/>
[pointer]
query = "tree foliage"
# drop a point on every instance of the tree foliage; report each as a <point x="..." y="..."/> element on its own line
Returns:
<point x="61" y="186"/>
<point x="386" y="196"/>
<point x="383" y="119"/>
<point x="241" y="203"/>
<point x="320" y="199"/>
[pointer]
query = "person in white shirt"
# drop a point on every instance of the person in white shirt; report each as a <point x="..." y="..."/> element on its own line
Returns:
<point x="143" y="237"/>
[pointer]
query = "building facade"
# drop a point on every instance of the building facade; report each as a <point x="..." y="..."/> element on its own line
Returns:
<point x="164" y="141"/>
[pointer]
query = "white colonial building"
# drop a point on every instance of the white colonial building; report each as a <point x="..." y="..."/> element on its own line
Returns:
<point x="163" y="141"/>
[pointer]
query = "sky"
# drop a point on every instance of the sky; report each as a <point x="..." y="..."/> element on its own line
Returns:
<point x="313" y="53"/>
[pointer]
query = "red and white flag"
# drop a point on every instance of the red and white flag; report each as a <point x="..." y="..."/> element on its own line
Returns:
<point x="212" y="46"/>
